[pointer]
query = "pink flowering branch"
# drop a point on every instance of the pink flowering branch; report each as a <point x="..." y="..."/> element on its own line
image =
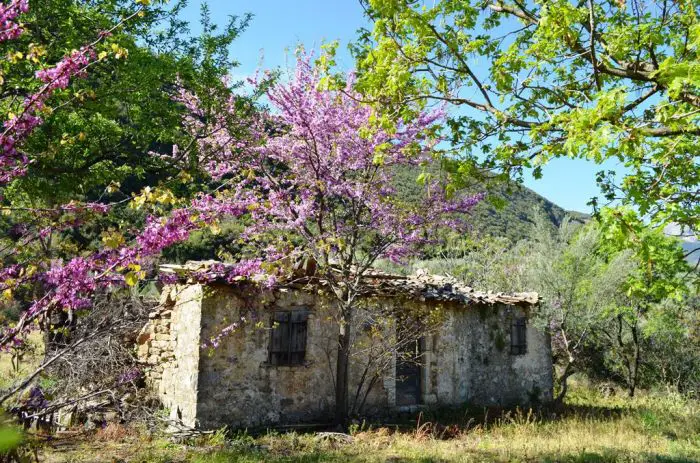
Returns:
<point x="17" y="128"/>
<point x="71" y="285"/>
<point x="9" y="28"/>
<point x="214" y="341"/>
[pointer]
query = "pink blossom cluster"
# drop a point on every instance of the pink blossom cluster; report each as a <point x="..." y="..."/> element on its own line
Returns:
<point x="160" y="233"/>
<point x="168" y="278"/>
<point x="215" y="341"/>
<point x="10" y="272"/>
<point x="74" y="283"/>
<point x="16" y="129"/>
<point x="9" y="28"/>
<point x="73" y="65"/>
<point x="319" y="168"/>
<point x="253" y="270"/>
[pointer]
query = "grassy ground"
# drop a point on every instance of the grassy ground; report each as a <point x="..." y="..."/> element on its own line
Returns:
<point x="590" y="428"/>
<point x="31" y="358"/>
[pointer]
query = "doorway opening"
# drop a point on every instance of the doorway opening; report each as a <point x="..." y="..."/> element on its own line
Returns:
<point x="408" y="373"/>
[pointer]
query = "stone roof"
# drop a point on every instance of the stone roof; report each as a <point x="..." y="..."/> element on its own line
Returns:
<point x="421" y="285"/>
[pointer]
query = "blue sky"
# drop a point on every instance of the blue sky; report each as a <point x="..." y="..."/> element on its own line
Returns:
<point x="279" y="25"/>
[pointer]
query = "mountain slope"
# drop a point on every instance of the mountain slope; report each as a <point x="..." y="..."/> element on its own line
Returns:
<point x="518" y="207"/>
<point x="513" y="219"/>
<point x="508" y="211"/>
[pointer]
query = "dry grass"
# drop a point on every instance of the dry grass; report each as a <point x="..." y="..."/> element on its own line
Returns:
<point x="589" y="429"/>
<point x="115" y="432"/>
<point x="29" y="362"/>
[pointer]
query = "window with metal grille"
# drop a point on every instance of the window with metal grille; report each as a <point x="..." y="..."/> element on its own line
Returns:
<point x="288" y="338"/>
<point x="518" y="336"/>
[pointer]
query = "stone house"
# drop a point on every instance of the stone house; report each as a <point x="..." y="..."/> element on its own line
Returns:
<point x="276" y="348"/>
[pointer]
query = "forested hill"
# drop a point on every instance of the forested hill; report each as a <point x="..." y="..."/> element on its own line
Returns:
<point x="508" y="211"/>
<point x="514" y="216"/>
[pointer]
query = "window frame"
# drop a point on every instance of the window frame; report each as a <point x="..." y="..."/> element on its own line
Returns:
<point x="285" y="347"/>
<point x="518" y="335"/>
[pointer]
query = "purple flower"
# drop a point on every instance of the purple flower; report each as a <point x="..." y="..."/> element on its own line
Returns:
<point x="129" y="376"/>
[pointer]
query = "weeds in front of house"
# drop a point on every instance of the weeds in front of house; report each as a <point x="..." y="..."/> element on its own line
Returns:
<point x="590" y="428"/>
<point x="114" y="432"/>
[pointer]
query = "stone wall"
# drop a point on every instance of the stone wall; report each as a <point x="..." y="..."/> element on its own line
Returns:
<point x="238" y="386"/>
<point x="467" y="359"/>
<point x="169" y="348"/>
<point x="474" y="363"/>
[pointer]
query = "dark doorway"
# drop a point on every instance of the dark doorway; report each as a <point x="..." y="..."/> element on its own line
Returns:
<point x="408" y="373"/>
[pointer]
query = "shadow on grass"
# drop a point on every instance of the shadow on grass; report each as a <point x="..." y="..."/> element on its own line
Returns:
<point x="405" y="437"/>
<point x="485" y="417"/>
<point x="471" y="455"/>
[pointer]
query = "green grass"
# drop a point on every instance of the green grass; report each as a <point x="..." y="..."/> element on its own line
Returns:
<point x="590" y="428"/>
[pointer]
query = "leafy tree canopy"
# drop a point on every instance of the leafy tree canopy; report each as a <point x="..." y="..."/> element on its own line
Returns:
<point x="97" y="135"/>
<point x="532" y="81"/>
<point x="102" y="128"/>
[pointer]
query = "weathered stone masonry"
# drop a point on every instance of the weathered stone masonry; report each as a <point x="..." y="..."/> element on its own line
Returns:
<point x="169" y="346"/>
<point x="467" y="360"/>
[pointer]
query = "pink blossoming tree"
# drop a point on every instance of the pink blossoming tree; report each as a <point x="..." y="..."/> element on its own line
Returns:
<point x="318" y="183"/>
<point x="313" y="179"/>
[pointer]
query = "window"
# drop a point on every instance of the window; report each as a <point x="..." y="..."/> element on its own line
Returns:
<point x="518" y="336"/>
<point x="288" y="338"/>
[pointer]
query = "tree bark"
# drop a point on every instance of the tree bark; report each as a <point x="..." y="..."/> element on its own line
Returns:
<point x="634" y="373"/>
<point x="563" y="382"/>
<point x="341" y="371"/>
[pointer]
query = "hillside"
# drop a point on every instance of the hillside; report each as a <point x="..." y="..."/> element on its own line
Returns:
<point x="508" y="211"/>
<point x="517" y="207"/>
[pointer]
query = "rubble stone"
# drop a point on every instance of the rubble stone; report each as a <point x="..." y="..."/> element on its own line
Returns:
<point x="467" y="360"/>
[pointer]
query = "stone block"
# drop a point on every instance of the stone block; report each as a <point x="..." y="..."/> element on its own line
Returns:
<point x="142" y="351"/>
<point x="161" y="329"/>
<point x="143" y="337"/>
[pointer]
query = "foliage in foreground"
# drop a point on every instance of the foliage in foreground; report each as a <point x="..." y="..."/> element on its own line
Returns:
<point x="590" y="428"/>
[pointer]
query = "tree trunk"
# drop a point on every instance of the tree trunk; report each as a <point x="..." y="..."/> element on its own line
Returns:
<point x="341" y="371"/>
<point x="625" y="357"/>
<point x="634" y="373"/>
<point x="633" y="359"/>
<point x="563" y="383"/>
